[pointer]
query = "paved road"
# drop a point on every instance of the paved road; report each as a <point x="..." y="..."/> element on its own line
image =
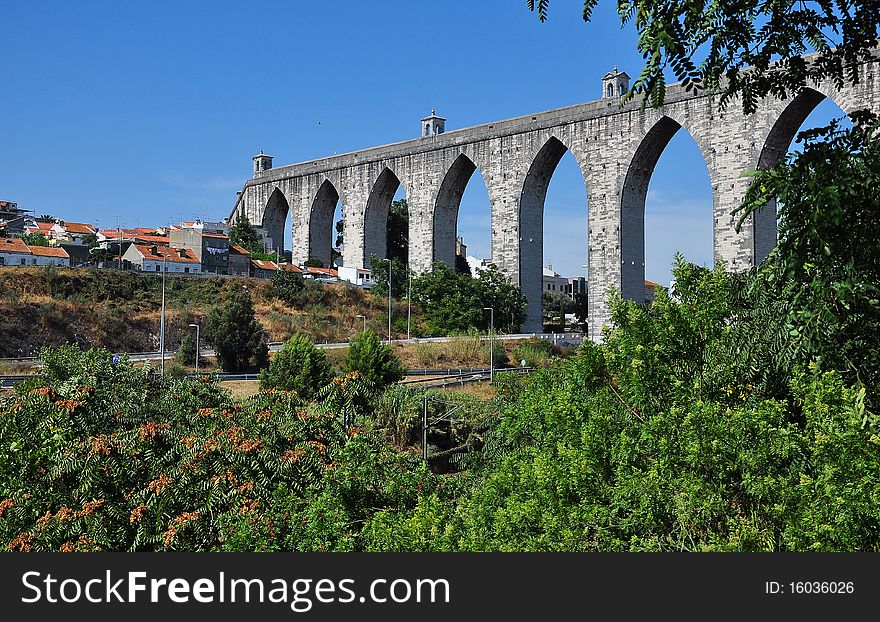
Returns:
<point x="563" y="339"/>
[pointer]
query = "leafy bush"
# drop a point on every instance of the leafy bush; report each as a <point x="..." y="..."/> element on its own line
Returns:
<point x="98" y="455"/>
<point x="454" y="302"/>
<point x="234" y="333"/>
<point x="375" y="362"/>
<point x="299" y="366"/>
<point x="287" y="286"/>
<point x="186" y="353"/>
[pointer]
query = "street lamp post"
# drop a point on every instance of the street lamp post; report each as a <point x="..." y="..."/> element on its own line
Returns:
<point x="162" y="317"/>
<point x="390" y="261"/>
<point x="408" y="303"/>
<point x="364" y="317"/>
<point x="196" y="326"/>
<point x="491" y="342"/>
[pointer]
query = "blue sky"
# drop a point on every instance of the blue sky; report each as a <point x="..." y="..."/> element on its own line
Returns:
<point x="149" y="113"/>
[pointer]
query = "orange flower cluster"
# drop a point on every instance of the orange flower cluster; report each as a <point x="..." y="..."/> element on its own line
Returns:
<point x="189" y="441"/>
<point x="205" y="412"/>
<point x="68" y="405"/>
<point x="246" y="487"/>
<point x="249" y="445"/>
<point x="137" y="514"/>
<point x="44" y="391"/>
<point x="293" y="455"/>
<point x="5" y="505"/>
<point x="23" y="543"/>
<point x="91" y="507"/>
<point x="159" y="483"/>
<point x="100" y="445"/>
<point x="321" y="448"/>
<point x="176" y="524"/>
<point x="249" y="505"/>
<point x="151" y="430"/>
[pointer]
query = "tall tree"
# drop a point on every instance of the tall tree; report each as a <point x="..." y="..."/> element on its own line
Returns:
<point x="710" y="45"/>
<point x="243" y="233"/>
<point x="234" y="332"/>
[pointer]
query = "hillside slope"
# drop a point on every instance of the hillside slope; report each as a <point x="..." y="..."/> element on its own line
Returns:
<point x="120" y="310"/>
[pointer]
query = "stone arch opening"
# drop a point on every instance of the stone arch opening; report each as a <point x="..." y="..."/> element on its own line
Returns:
<point x="376" y="215"/>
<point x="447" y="208"/>
<point x="275" y="218"/>
<point x="321" y="224"/>
<point x="531" y="226"/>
<point x="675" y="212"/>
<point x="810" y="108"/>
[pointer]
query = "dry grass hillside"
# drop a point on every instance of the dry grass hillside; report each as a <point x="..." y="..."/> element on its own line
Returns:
<point x="120" y="310"/>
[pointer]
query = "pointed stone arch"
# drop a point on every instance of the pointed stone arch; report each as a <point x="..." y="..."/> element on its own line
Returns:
<point x="376" y="214"/>
<point x="323" y="207"/>
<point x="446" y="207"/>
<point x="531" y="226"/>
<point x="633" y="194"/>
<point x="790" y="116"/>
<point x="274" y="218"/>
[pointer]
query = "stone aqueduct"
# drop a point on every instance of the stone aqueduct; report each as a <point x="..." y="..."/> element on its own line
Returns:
<point x="616" y="147"/>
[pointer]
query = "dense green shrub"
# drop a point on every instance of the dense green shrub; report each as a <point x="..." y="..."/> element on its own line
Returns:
<point x="374" y="361"/>
<point x="234" y="333"/>
<point x="186" y="353"/>
<point x="299" y="366"/>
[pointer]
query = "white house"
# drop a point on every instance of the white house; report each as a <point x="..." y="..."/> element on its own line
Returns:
<point x="14" y="252"/>
<point x="72" y="232"/>
<point x="153" y="258"/>
<point x="553" y="283"/>
<point x="361" y="277"/>
<point x="49" y="256"/>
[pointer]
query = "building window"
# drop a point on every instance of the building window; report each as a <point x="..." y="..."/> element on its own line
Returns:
<point x="186" y="270"/>
<point x="23" y="261"/>
<point x="158" y="268"/>
<point x="610" y="90"/>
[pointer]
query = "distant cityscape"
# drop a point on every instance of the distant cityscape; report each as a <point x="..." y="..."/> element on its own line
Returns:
<point x="196" y="248"/>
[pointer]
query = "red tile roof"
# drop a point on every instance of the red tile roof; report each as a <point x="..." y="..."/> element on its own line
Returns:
<point x="49" y="251"/>
<point x="79" y="228"/>
<point x="326" y="271"/>
<point x="173" y="255"/>
<point x="14" y="245"/>
<point x="42" y="226"/>
<point x="215" y="235"/>
<point x="291" y="268"/>
<point x="238" y="249"/>
<point x="264" y="265"/>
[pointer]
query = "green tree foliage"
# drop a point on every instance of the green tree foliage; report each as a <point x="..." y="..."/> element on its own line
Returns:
<point x="454" y="302"/>
<point x="244" y="234"/>
<point x="299" y="366"/>
<point x="379" y="268"/>
<point x="234" y="333"/>
<point x="186" y="353"/>
<point x="375" y="362"/>
<point x="287" y="286"/>
<point x="313" y="263"/>
<point x="397" y="246"/>
<point x="709" y="46"/>
<point x="555" y="307"/>
<point x="824" y="273"/>
<point x="35" y="239"/>
<point x="656" y="440"/>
